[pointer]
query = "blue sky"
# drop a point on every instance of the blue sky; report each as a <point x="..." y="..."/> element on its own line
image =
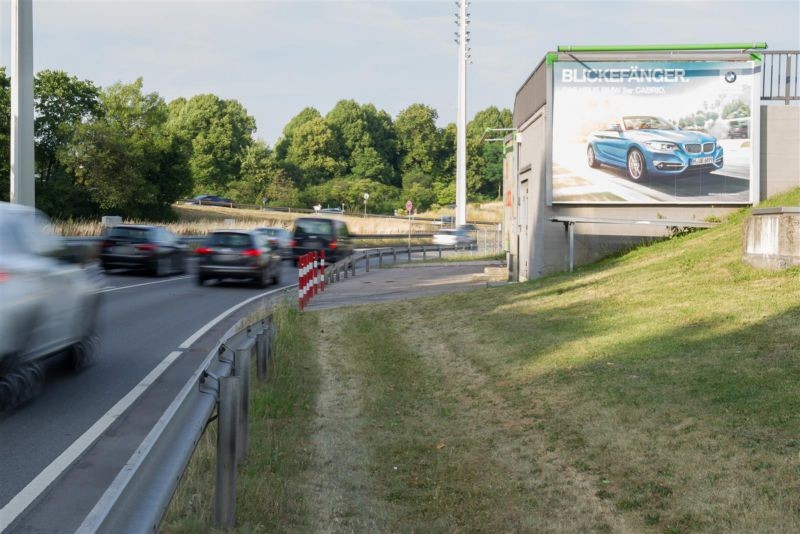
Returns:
<point x="277" y="57"/>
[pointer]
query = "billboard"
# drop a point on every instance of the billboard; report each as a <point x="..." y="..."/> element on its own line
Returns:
<point x="652" y="132"/>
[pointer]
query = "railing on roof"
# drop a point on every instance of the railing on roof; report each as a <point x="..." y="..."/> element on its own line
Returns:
<point x="779" y="80"/>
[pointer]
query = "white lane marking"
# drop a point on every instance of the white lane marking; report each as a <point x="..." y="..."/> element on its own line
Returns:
<point x="52" y="472"/>
<point x="194" y="337"/>
<point x="110" y="289"/>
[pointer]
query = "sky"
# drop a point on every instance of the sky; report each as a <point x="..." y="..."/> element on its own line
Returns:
<point x="277" y="57"/>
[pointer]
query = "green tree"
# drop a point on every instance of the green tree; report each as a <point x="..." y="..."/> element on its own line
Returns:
<point x="62" y="103"/>
<point x="315" y="150"/>
<point x="219" y="132"/>
<point x="128" y="158"/>
<point x="264" y="179"/>
<point x="282" y="145"/>
<point x="419" y="140"/>
<point x="485" y="160"/>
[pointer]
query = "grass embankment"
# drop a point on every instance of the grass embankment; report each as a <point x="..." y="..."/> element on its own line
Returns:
<point x="655" y="391"/>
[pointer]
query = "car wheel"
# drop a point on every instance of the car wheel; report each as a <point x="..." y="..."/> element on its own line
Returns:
<point x="590" y="159"/>
<point x="637" y="168"/>
<point x="83" y="353"/>
<point x="20" y="385"/>
<point x="262" y="280"/>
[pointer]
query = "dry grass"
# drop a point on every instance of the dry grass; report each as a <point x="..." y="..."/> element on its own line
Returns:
<point x="200" y="220"/>
<point x="488" y="212"/>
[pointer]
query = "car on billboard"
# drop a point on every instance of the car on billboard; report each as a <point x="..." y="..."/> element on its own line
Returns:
<point x="650" y="146"/>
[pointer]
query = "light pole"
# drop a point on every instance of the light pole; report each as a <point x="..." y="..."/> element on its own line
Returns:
<point x="462" y="39"/>
<point x="22" y="179"/>
<point x="366" y="197"/>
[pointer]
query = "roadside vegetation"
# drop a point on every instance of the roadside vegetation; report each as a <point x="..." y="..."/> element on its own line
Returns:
<point x="654" y="391"/>
<point x="269" y="492"/>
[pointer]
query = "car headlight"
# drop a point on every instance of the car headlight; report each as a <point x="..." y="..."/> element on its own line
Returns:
<point x="661" y="146"/>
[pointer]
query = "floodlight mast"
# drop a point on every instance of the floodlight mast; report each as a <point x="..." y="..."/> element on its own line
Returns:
<point x="462" y="38"/>
<point x="21" y="176"/>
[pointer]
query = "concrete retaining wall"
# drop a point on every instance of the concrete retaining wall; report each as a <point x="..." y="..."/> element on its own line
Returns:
<point x="772" y="238"/>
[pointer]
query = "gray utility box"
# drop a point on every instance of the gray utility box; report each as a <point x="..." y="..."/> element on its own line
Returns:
<point x="772" y="238"/>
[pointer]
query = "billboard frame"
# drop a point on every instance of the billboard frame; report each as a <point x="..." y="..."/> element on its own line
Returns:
<point x="736" y="52"/>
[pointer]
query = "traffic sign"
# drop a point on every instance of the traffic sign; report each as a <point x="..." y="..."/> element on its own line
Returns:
<point x="409" y="205"/>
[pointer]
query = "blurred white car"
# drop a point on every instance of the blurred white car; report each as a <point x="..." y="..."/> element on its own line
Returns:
<point x="48" y="303"/>
<point x="461" y="236"/>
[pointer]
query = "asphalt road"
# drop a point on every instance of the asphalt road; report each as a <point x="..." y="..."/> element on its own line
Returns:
<point x="142" y="320"/>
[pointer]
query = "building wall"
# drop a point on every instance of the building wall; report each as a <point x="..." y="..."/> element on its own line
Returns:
<point x="780" y="155"/>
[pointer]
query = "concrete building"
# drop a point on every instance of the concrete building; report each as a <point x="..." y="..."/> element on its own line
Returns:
<point x="713" y="128"/>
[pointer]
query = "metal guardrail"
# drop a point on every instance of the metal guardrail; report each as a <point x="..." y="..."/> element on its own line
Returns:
<point x="780" y="75"/>
<point x="140" y="494"/>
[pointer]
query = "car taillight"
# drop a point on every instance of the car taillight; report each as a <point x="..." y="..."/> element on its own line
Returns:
<point x="203" y="250"/>
<point x="4" y="276"/>
<point x="147" y="247"/>
<point x="252" y="252"/>
<point x="332" y="245"/>
<point x="293" y="243"/>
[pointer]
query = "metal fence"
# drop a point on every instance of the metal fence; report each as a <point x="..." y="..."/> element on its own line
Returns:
<point x="779" y="80"/>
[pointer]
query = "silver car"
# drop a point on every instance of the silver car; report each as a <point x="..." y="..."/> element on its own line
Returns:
<point x="48" y="303"/>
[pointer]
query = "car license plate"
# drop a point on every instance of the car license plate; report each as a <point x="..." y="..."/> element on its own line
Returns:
<point x="225" y="257"/>
<point x="702" y="161"/>
<point x="122" y="250"/>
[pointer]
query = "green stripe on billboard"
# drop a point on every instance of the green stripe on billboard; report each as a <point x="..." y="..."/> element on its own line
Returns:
<point x="663" y="48"/>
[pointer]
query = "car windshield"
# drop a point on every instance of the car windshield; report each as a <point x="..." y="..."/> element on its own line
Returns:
<point x="134" y="234"/>
<point x="646" y="123"/>
<point x="230" y="240"/>
<point x="313" y="227"/>
<point x="272" y="232"/>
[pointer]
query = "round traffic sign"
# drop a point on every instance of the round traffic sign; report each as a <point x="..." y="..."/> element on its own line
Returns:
<point x="409" y="205"/>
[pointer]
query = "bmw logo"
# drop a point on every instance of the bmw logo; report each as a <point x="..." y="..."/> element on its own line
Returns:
<point x="730" y="76"/>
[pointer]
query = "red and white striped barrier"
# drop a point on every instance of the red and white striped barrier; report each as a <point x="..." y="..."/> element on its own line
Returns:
<point x="311" y="276"/>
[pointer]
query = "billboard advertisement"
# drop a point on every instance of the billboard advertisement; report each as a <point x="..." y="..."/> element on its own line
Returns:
<point x="651" y="132"/>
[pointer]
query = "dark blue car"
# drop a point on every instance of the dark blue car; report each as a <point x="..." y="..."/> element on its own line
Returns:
<point x="650" y="146"/>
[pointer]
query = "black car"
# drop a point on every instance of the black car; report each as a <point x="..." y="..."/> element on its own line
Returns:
<point x="212" y="200"/>
<point x="152" y="248"/>
<point x="314" y="233"/>
<point x="238" y="254"/>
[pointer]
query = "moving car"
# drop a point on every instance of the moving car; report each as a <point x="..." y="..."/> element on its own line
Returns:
<point x="48" y="303"/>
<point x="279" y="239"/>
<point x="314" y="233"/>
<point x="461" y="236"/>
<point x="136" y="246"/>
<point x="212" y="200"/>
<point x="238" y="254"/>
<point x="340" y="211"/>
<point x="650" y="146"/>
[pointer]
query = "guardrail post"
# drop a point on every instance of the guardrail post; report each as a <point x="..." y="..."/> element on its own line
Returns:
<point x="227" y="422"/>
<point x="353" y="266"/>
<point x="241" y="369"/>
<point x="440" y="251"/>
<point x="423" y="253"/>
<point x="380" y="258"/>
<point x="261" y="353"/>
<point x="409" y="254"/>
<point x="346" y="269"/>
<point x="366" y="260"/>
<point x="394" y="253"/>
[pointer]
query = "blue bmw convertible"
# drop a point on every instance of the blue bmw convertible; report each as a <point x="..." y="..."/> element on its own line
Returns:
<point x="650" y="146"/>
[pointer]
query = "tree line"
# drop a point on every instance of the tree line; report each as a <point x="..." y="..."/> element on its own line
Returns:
<point x="120" y="150"/>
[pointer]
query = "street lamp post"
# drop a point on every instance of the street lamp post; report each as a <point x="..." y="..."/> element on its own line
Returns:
<point x="22" y="169"/>
<point x="366" y="197"/>
<point x="462" y="38"/>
